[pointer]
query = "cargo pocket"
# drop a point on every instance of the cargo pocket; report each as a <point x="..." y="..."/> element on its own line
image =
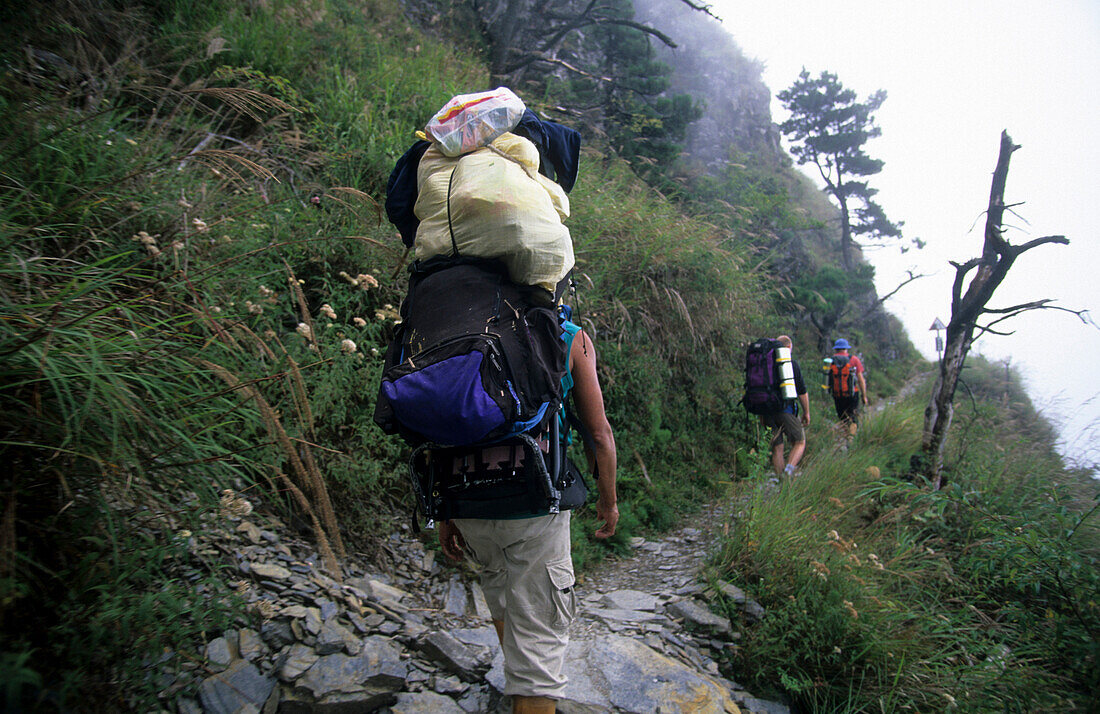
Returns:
<point x="564" y="595"/>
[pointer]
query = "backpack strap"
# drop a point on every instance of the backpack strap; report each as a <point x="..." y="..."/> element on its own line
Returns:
<point x="450" y="225"/>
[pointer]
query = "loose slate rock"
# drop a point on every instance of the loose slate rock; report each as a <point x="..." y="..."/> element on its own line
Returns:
<point x="377" y="669"/>
<point x="251" y="646"/>
<point x="277" y="634"/>
<point x="628" y="616"/>
<point x="467" y="662"/>
<point x="630" y="600"/>
<point x="479" y="636"/>
<point x="621" y="674"/>
<point x="762" y="706"/>
<point x="296" y="662"/>
<point x="235" y="690"/>
<point x="754" y="611"/>
<point x="335" y="637"/>
<point x="481" y="606"/>
<point x="425" y="703"/>
<point x="734" y="593"/>
<point x="269" y="571"/>
<point x="646" y="681"/>
<point x="455" y="602"/>
<point x="699" y="617"/>
<point x="218" y="654"/>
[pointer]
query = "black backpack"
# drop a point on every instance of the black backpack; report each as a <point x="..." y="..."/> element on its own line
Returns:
<point x="472" y="380"/>
<point x="762" y="380"/>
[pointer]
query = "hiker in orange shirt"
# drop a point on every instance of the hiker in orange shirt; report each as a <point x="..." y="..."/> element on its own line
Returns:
<point x="845" y="373"/>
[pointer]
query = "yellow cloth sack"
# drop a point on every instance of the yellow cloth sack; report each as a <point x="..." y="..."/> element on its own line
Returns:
<point x="500" y="207"/>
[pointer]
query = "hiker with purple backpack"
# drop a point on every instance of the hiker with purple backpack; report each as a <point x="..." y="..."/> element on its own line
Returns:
<point x="774" y="391"/>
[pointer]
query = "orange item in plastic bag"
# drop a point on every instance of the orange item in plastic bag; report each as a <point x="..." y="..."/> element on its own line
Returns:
<point x="470" y="121"/>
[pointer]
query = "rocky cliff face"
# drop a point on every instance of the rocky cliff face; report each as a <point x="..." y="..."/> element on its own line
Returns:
<point x="710" y="66"/>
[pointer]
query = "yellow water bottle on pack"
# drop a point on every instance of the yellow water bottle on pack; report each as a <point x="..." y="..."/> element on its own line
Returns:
<point x="827" y="367"/>
<point x="786" y="372"/>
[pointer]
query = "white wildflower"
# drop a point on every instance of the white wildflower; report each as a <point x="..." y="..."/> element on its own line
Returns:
<point x="359" y="322"/>
<point x="327" y="311"/>
<point x="253" y="308"/>
<point x="200" y="225"/>
<point x="366" y="281"/>
<point x="347" y="346"/>
<point x="304" y="330"/>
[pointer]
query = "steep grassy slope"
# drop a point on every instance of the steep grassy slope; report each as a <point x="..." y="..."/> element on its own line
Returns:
<point x="197" y="283"/>
<point x="884" y="596"/>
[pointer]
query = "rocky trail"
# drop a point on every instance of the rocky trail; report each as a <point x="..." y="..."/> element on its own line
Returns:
<point x="405" y="633"/>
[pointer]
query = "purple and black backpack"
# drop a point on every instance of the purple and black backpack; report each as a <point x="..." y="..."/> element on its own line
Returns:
<point x="475" y="358"/>
<point x="762" y="392"/>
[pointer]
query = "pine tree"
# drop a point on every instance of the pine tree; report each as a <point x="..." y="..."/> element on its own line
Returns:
<point x="829" y="128"/>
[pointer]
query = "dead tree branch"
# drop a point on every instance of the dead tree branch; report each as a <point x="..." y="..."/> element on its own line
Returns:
<point x="887" y="296"/>
<point x="973" y="287"/>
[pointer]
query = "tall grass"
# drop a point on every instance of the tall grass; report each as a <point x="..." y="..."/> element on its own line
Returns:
<point x="884" y="596"/>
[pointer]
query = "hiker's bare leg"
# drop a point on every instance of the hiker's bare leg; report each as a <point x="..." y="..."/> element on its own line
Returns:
<point x="533" y="705"/>
<point x="797" y="451"/>
<point x="777" y="458"/>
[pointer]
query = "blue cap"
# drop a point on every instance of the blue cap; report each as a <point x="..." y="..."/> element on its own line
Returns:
<point x="841" y="344"/>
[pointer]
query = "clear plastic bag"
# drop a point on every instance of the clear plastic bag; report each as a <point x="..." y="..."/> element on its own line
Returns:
<point x="470" y="121"/>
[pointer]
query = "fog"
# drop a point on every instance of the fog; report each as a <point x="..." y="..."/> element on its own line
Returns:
<point x="957" y="74"/>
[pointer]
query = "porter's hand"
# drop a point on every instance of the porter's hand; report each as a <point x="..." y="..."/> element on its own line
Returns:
<point x="610" y="517"/>
<point x="450" y="539"/>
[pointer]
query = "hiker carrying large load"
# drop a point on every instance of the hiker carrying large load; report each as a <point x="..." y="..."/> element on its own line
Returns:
<point x="478" y="356"/>
<point x="479" y="368"/>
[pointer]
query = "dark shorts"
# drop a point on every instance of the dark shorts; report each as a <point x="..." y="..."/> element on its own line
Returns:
<point x="784" y="425"/>
<point x="847" y="408"/>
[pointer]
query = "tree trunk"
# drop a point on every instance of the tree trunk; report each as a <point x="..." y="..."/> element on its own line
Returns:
<point x="941" y="405"/>
<point x="845" y="233"/>
<point x="990" y="270"/>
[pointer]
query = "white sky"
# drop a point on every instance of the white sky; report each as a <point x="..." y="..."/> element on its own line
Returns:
<point x="957" y="73"/>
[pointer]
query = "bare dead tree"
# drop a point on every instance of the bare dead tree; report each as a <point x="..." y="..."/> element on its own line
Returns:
<point x="968" y="309"/>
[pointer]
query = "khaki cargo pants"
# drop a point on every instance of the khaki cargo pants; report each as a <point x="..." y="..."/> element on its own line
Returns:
<point x="528" y="582"/>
